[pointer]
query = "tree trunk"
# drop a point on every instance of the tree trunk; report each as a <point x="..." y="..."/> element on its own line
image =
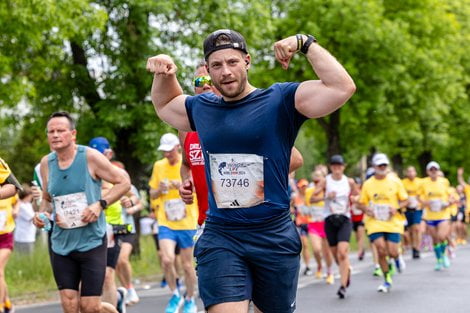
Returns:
<point x="424" y="158"/>
<point x="333" y="135"/>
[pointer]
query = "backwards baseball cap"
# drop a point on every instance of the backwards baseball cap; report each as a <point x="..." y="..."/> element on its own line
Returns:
<point x="168" y="142"/>
<point x="380" y="159"/>
<point x="100" y="144"/>
<point x="432" y="164"/>
<point x="337" y="159"/>
<point x="235" y="41"/>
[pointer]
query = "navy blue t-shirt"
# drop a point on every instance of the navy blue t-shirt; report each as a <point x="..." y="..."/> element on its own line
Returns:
<point x="264" y="123"/>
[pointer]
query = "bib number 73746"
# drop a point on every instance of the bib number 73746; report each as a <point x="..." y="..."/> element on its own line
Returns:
<point x="237" y="180"/>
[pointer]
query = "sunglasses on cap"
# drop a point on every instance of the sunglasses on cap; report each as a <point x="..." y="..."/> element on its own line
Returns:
<point x="382" y="165"/>
<point x="200" y="81"/>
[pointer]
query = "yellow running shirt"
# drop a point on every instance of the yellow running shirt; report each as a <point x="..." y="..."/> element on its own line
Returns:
<point x="378" y="194"/>
<point x="412" y="187"/>
<point x="7" y="223"/>
<point x="437" y="194"/>
<point x="172" y="212"/>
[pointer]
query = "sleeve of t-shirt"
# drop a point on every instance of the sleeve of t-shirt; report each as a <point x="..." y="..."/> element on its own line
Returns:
<point x="189" y="104"/>
<point x="288" y="92"/>
<point x="154" y="179"/>
<point x="402" y="194"/>
<point x="364" y="199"/>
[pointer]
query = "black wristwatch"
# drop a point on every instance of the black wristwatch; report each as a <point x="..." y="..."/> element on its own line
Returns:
<point x="306" y="45"/>
<point x="103" y="203"/>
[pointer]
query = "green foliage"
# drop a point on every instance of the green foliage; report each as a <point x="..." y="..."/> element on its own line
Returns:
<point x="408" y="59"/>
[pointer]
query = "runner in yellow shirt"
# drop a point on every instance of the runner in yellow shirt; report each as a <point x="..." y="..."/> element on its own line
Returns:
<point x="466" y="189"/>
<point x="8" y="183"/>
<point x="414" y="212"/>
<point x="177" y="222"/>
<point x="381" y="197"/>
<point x="435" y="197"/>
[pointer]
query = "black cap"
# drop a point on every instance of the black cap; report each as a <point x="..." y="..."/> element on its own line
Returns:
<point x="236" y="42"/>
<point x="336" y="159"/>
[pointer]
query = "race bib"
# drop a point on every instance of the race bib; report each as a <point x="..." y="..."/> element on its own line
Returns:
<point x="381" y="212"/>
<point x="237" y="180"/>
<point x="304" y="210"/>
<point x="69" y="208"/>
<point x="339" y="205"/>
<point x="356" y="211"/>
<point x="3" y="220"/>
<point x="412" y="202"/>
<point x="175" y="210"/>
<point x="317" y="213"/>
<point x="435" y="205"/>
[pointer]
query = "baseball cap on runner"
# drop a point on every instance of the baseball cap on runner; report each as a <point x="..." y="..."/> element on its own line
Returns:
<point x="168" y="142"/>
<point x="235" y="41"/>
<point x="337" y="159"/>
<point x="380" y="159"/>
<point x="433" y="164"/>
<point x="100" y="144"/>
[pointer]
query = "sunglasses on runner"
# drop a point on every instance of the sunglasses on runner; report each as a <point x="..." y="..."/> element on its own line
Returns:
<point x="202" y="80"/>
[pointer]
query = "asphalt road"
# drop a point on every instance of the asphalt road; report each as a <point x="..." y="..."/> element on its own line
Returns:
<point x="419" y="289"/>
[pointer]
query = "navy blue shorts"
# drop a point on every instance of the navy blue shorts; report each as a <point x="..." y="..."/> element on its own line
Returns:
<point x="392" y="237"/>
<point x="413" y="216"/>
<point x="434" y="223"/>
<point x="250" y="262"/>
<point x="303" y="230"/>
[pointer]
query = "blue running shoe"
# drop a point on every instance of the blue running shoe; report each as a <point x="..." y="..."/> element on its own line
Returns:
<point x="385" y="287"/>
<point x="173" y="304"/>
<point x="189" y="306"/>
<point x="121" y="301"/>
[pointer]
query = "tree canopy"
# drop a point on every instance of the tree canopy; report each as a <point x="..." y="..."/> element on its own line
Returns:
<point x="409" y="60"/>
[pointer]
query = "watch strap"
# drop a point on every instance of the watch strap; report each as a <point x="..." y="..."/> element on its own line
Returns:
<point x="306" y="45"/>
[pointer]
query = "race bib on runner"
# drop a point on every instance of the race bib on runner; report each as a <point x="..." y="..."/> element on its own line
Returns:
<point x="381" y="211"/>
<point x="339" y="205"/>
<point x="412" y="202"/>
<point x="69" y="208"/>
<point x="237" y="180"/>
<point x="3" y="220"/>
<point x="435" y="205"/>
<point x="317" y="213"/>
<point x="175" y="210"/>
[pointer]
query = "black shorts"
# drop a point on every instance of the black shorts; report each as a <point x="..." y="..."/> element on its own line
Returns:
<point x="113" y="255"/>
<point x="129" y="238"/>
<point x="87" y="267"/>
<point x="155" y="238"/>
<point x="337" y="228"/>
<point x="356" y="225"/>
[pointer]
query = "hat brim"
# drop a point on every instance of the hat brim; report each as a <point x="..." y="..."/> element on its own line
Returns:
<point x="166" y="148"/>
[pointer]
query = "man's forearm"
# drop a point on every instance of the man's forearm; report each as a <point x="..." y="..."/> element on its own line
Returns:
<point x="117" y="191"/>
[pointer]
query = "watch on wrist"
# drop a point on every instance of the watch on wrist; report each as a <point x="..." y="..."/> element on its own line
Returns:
<point x="103" y="203"/>
<point x="306" y="45"/>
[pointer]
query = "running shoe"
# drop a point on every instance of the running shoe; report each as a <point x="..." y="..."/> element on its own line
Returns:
<point x="189" y="306"/>
<point x="318" y="274"/>
<point x="330" y="279"/>
<point x="416" y="254"/>
<point x="377" y="272"/>
<point x="341" y="292"/>
<point x="445" y="261"/>
<point x="173" y="304"/>
<point x="385" y="287"/>
<point x="438" y="265"/>
<point x="163" y="283"/>
<point x="179" y="284"/>
<point x="132" y="297"/>
<point x="121" y="300"/>
<point x="361" y="255"/>
<point x="451" y="252"/>
<point x="9" y="310"/>
<point x="308" y="272"/>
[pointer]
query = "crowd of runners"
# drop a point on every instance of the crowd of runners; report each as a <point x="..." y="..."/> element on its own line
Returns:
<point x="226" y="197"/>
<point x="397" y="215"/>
